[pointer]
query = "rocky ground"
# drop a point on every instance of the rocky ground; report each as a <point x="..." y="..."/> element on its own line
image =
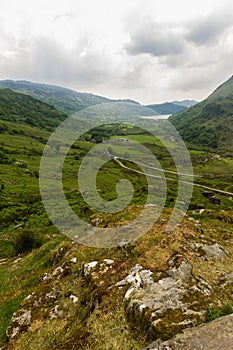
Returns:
<point x="161" y="287"/>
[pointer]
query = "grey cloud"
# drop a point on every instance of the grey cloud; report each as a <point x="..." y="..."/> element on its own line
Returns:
<point x="154" y="39"/>
<point x="207" y="30"/>
<point x="202" y="78"/>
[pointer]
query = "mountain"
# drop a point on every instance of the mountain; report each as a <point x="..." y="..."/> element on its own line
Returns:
<point x="210" y="122"/>
<point x="172" y="107"/>
<point x="185" y="103"/>
<point x="166" y="108"/>
<point x="63" y="99"/>
<point x="70" y="101"/>
<point x="23" y="109"/>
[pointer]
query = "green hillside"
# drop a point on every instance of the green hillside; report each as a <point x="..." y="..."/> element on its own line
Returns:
<point x="166" y="108"/>
<point x="65" y="100"/>
<point x="209" y="123"/>
<point x="22" y="109"/>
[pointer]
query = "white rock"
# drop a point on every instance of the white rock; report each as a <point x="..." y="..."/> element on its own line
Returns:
<point x="74" y="298"/>
<point x="74" y="260"/>
<point x="89" y="266"/>
<point x="109" y="261"/>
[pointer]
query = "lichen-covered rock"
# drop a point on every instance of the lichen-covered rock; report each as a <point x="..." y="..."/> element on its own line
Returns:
<point x="162" y="309"/>
<point x="212" y="252"/>
<point x="96" y="269"/>
<point x="42" y="303"/>
<point x="20" y="321"/>
<point x="210" y="336"/>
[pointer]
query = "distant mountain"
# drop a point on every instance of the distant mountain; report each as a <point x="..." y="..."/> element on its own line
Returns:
<point x="210" y="122"/>
<point x="127" y="101"/>
<point x="166" y="108"/>
<point x="23" y="109"/>
<point x="185" y="103"/>
<point x="63" y="99"/>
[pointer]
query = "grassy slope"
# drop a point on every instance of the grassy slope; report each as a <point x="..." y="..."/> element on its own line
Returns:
<point x="23" y="109"/>
<point x="209" y="123"/>
<point x="66" y="100"/>
<point x="20" y="203"/>
<point x="105" y="326"/>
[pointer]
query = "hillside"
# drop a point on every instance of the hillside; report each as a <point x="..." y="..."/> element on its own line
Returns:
<point x="63" y="99"/>
<point x="23" y="109"/>
<point x="185" y="103"/>
<point x="166" y="108"/>
<point x="210" y="122"/>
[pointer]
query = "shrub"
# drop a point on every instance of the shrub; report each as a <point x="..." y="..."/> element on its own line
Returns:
<point x="26" y="241"/>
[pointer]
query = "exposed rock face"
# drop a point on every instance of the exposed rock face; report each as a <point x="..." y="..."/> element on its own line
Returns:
<point x="43" y="302"/>
<point x="212" y="252"/>
<point x="210" y="336"/>
<point x="19" y="322"/>
<point x="165" y="307"/>
<point x="158" y="304"/>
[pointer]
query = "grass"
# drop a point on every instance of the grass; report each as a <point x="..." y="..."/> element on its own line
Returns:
<point x="215" y="312"/>
<point x="22" y="211"/>
<point x="110" y="330"/>
<point x="19" y="277"/>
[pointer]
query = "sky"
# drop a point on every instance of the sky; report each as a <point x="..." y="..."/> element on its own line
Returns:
<point x="147" y="50"/>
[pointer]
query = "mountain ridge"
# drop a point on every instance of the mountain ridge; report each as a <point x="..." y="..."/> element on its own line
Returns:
<point x="210" y="122"/>
<point x="64" y="99"/>
<point x="71" y="101"/>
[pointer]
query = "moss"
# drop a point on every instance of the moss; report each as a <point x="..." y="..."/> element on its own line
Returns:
<point x="171" y="323"/>
<point x="140" y="321"/>
<point x="215" y="312"/>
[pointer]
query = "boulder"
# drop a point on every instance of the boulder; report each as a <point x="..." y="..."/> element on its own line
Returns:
<point x="214" y="335"/>
<point x="20" y="321"/>
<point x="212" y="252"/>
<point x="162" y="309"/>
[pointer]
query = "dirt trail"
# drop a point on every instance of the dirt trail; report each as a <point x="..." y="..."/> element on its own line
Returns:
<point x="170" y="179"/>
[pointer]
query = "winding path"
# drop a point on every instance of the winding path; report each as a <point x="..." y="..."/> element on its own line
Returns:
<point x="167" y="178"/>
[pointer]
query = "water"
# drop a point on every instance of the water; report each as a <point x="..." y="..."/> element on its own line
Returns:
<point x="158" y="116"/>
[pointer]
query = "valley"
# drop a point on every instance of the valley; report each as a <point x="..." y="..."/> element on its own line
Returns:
<point x="65" y="295"/>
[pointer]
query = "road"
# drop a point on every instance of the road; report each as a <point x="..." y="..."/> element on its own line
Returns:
<point x="169" y="179"/>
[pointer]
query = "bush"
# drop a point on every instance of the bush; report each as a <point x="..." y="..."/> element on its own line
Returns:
<point x="26" y="241"/>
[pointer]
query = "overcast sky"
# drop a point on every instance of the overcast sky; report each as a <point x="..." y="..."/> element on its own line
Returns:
<point x="147" y="50"/>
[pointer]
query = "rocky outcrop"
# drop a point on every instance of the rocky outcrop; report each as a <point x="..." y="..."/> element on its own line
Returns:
<point x="44" y="302"/>
<point x="164" y="308"/>
<point x="19" y="323"/>
<point x="159" y="303"/>
<point x="210" y="336"/>
<point x="211" y="252"/>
